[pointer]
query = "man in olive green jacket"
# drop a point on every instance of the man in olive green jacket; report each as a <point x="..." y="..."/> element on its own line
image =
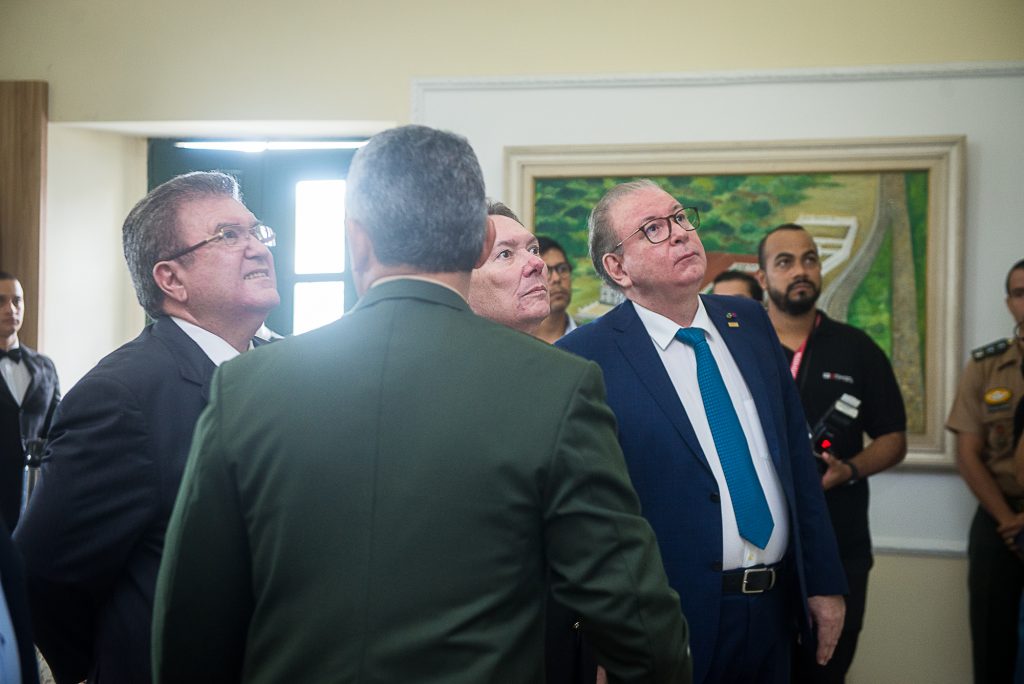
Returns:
<point x="385" y="499"/>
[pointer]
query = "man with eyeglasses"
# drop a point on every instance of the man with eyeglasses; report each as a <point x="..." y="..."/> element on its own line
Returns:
<point x="405" y="521"/>
<point x="716" y="443"/>
<point x="93" y="533"/>
<point x="558" y="323"/>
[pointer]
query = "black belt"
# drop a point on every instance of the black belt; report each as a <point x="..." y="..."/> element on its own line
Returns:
<point x="755" y="580"/>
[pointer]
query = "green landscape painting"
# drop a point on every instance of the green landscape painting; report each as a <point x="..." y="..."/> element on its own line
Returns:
<point x="871" y="230"/>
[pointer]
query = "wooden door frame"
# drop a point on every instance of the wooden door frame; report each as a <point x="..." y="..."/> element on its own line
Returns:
<point x="23" y="122"/>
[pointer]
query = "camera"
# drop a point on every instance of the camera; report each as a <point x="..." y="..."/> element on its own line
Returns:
<point x="836" y="420"/>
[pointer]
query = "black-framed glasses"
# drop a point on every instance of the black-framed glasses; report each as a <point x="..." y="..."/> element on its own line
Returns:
<point x="660" y="229"/>
<point x="231" y="236"/>
<point x="561" y="270"/>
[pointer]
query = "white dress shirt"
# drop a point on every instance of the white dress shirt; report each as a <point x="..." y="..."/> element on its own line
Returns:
<point x="214" y="347"/>
<point x="16" y="376"/>
<point x="681" y="363"/>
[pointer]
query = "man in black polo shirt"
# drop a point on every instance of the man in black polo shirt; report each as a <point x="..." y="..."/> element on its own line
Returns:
<point x="834" y="363"/>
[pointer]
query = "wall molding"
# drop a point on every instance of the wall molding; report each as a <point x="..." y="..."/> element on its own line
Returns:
<point x="421" y="87"/>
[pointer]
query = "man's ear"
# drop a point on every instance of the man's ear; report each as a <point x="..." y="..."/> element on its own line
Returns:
<point x="365" y="266"/>
<point x="762" y="279"/>
<point x="489" y="237"/>
<point x="360" y="248"/>
<point x="612" y="263"/>
<point x="166" y="275"/>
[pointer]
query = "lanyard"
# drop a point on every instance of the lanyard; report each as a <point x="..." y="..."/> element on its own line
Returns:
<point x="798" y="355"/>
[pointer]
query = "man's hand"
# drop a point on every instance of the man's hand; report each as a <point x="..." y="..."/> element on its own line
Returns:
<point x="838" y="471"/>
<point x="602" y="676"/>
<point x="1009" y="529"/>
<point x="827" y="614"/>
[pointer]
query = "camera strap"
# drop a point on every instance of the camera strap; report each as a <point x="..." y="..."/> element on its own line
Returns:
<point x="798" y="355"/>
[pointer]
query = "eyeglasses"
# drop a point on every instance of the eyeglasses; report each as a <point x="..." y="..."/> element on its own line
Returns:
<point x="660" y="229"/>
<point x="561" y="270"/>
<point x="231" y="236"/>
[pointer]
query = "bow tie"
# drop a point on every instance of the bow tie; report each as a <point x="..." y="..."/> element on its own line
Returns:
<point x="14" y="354"/>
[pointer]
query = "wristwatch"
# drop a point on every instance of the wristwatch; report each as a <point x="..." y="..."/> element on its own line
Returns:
<point x="854" y="473"/>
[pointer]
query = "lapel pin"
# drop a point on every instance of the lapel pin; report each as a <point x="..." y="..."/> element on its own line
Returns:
<point x="731" y="320"/>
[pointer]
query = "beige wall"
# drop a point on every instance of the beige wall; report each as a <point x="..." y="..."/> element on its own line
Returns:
<point x="915" y="627"/>
<point x="94" y="179"/>
<point x="112" y="60"/>
<point x="117" y="61"/>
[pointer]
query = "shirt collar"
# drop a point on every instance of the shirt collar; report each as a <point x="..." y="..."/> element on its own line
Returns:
<point x="216" y="348"/>
<point x="663" y="330"/>
<point x="409" y="276"/>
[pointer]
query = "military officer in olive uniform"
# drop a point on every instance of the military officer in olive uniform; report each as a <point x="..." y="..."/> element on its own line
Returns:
<point x="982" y="419"/>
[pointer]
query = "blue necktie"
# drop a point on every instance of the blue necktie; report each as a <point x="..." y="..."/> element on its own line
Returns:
<point x="748" y="502"/>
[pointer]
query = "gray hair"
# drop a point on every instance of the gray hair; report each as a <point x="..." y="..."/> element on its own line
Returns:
<point x="419" y="194"/>
<point x="152" y="229"/>
<point x="496" y="208"/>
<point x="601" y="232"/>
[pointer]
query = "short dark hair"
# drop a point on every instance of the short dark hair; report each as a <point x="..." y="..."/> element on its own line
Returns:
<point x="756" y="291"/>
<point x="4" y="275"/>
<point x="760" y="245"/>
<point x="1018" y="265"/>
<point x="547" y="244"/>
<point x="152" y="229"/>
<point x="496" y="208"/>
<point x="418" y="192"/>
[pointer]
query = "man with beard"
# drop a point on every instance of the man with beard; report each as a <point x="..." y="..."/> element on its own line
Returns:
<point x="848" y="389"/>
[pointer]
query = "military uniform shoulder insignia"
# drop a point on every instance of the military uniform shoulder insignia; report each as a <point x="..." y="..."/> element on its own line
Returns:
<point x="991" y="349"/>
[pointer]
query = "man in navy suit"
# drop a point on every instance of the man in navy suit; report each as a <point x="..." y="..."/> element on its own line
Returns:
<point x="29" y="393"/>
<point x="93" y="533"/>
<point x="716" y="443"/>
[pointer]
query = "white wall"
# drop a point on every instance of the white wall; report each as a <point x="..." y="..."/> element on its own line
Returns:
<point x="911" y="510"/>
<point x="93" y="180"/>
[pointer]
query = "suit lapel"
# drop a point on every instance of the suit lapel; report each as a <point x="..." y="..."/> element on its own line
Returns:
<point x="193" y="363"/>
<point x="34" y="374"/>
<point x="5" y="395"/>
<point x="741" y="343"/>
<point x="637" y="348"/>
<point x="412" y="288"/>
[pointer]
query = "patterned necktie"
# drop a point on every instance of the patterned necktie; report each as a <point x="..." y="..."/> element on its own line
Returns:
<point x="14" y="354"/>
<point x="748" y="502"/>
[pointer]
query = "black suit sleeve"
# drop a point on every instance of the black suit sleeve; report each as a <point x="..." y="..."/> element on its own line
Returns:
<point x="96" y="494"/>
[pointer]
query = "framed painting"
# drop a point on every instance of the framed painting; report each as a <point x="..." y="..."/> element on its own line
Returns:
<point x="886" y="214"/>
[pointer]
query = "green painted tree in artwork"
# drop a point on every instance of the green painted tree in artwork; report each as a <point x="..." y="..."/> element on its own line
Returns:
<point x="735" y="210"/>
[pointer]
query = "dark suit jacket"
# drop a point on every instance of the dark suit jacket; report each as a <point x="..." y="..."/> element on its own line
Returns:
<point x="381" y="500"/>
<point x="94" y="529"/>
<point x="30" y="420"/>
<point x="13" y="579"/>
<point x="678" y="492"/>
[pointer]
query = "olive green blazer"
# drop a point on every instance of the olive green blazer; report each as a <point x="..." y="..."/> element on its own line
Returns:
<point x="389" y="498"/>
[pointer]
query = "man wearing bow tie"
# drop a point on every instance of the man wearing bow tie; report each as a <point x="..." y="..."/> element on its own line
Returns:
<point x="28" y="397"/>
<point x="93" y="533"/>
<point x="716" y="443"/>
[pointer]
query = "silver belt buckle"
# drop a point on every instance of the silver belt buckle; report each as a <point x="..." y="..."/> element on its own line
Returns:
<point x="751" y="571"/>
